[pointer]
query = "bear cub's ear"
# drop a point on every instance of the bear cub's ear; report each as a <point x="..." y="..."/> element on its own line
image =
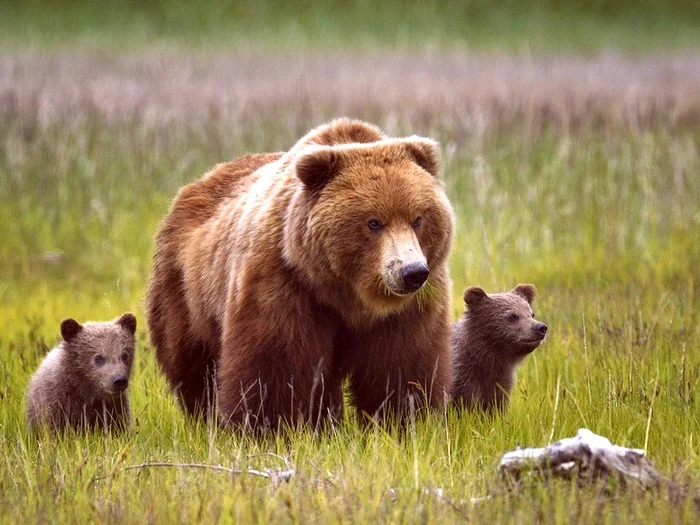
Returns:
<point x="425" y="153"/>
<point x="526" y="291"/>
<point x="474" y="295"/>
<point x="315" y="166"/>
<point x="70" y="328"/>
<point x="128" y="322"/>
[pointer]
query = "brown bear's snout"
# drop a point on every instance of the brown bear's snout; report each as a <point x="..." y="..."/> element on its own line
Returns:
<point x="414" y="276"/>
<point x="541" y="328"/>
<point x="120" y="383"/>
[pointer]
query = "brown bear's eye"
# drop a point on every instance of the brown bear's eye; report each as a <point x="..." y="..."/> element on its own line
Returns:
<point x="99" y="360"/>
<point x="512" y="318"/>
<point x="374" y="225"/>
<point x="417" y="222"/>
<point x="125" y="357"/>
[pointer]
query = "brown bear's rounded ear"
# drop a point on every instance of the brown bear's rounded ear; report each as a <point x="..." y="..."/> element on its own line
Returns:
<point x="526" y="291"/>
<point x="425" y="153"/>
<point x="474" y="295"/>
<point x="316" y="166"/>
<point x="70" y="328"/>
<point x="128" y="322"/>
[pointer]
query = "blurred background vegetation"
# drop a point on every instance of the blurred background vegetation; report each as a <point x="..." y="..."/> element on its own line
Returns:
<point x="477" y="25"/>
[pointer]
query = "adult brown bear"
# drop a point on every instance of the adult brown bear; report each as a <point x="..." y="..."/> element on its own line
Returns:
<point x="277" y="276"/>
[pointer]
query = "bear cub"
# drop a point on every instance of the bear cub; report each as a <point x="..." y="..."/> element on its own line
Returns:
<point x="495" y="334"/>
<point x="82" y="383"/>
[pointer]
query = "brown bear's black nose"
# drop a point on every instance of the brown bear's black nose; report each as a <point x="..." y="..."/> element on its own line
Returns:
<point x="414" y="275"/>
<point x="541" y="328"/>
<point x="120" y="383"/>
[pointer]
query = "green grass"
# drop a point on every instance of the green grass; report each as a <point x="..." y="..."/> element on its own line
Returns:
<point x="509" y="25"/>
<point x="605" y="222"/>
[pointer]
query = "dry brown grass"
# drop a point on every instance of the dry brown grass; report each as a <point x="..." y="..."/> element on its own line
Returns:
<point x="473" y="94"/>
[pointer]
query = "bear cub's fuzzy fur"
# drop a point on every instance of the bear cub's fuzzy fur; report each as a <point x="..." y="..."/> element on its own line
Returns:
<point x="495" y="334"/>
<point x="82" y="383"/>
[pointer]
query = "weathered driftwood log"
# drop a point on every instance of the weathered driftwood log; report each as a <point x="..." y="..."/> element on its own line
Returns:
<point x="587" y="456"/>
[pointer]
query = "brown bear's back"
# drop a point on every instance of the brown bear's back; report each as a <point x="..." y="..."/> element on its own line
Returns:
<point x="199" y="201"/>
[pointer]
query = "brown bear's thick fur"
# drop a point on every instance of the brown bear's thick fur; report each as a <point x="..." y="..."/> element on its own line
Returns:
<point x="495" y="334"/>
<point x="82" y="383"/>
<point x="277" y="276"/>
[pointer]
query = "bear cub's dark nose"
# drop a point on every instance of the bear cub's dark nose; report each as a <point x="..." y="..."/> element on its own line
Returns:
<point x="120" y="383"/>
<point x="541" y="328"/>
<point x="414" y="275"/>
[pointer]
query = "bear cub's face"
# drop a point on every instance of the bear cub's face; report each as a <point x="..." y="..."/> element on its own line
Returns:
<point x="102" y="353"/>
<point x="507" y="318"/>
<point x="382" y="220"/>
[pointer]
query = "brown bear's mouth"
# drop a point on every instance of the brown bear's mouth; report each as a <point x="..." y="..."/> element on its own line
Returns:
<point x="401" y="293"/>
<point x="528" y="346"/>
<point x="390" y="291"/>
<point x="534" y="343"/>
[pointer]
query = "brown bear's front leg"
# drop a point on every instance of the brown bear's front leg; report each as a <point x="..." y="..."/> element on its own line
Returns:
<point x="187" y="361"/>
<point x="274" y="374"/>
<point x="408" y="368"/>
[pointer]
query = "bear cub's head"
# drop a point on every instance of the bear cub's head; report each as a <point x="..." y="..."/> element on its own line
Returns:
<point x="101" y="353"/>
<point x="506" y="319"/>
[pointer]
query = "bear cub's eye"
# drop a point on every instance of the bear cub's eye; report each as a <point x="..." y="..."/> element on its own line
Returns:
<point x="512" y="318"/>
<point x="125" y="357"/>
<point x="417" y="222"/>
<point x="374" y="225"/>
<point x="99" y="360"/>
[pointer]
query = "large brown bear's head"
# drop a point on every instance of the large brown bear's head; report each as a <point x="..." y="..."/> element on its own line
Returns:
<point x="372" y="220"/>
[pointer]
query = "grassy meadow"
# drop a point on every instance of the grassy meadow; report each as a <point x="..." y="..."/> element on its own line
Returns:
<point x="576" y="168"/>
